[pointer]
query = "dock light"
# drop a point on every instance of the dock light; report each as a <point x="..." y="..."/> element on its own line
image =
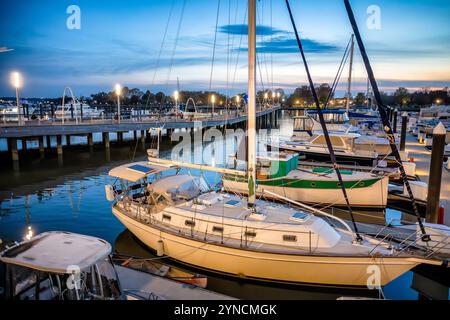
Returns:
<point x="176" y="96"/>
<point x="16" y="80"/>
<point x="438" y="101"/>
<point x="266" y="95"/>
<point x="118" y="90"/>
<point x="213" y="100"/>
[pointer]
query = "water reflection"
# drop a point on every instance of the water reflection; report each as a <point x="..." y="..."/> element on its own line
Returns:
<point x="69" y="196"/>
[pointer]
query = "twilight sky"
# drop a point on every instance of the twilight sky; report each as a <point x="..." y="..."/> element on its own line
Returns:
<point x="119" y="42"/>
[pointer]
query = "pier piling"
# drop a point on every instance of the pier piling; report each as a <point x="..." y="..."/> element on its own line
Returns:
<point x="105" y="136"/>
<point x="14" y="150"/>
<point x="434" y="183"/>
<point x="24" y="144"/>
<point x="403" y="132"/>
<point x="59" y="148"/>
<point x="49" y="142"/>
<point x="41" y="147"/>
<point x="395" y="120"/>
<point x="90" y="140"/>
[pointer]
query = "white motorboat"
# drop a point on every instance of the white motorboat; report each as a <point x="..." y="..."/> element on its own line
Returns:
<point x="315" y="148"/>
<point x="77" y="110"/>
<point x="67" y="266"/>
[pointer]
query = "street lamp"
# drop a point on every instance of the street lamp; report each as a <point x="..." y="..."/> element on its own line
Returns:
<point x="213" y="100"/>
<point x="17" y="83"/>
<point x="176" y="95"/>
<point x="118" y="90"/>
<point x="438" y="101"/>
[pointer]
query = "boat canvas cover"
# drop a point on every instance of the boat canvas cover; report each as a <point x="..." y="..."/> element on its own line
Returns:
<point x="136" y="171"/>
<point x="57" y="252"/>
<point x="183" y="186"/>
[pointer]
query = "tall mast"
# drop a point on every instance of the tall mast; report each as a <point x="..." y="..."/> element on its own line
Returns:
<point x="251" y="111"/>
<point x="382" y="109"/>
<point x="349" y="88"/>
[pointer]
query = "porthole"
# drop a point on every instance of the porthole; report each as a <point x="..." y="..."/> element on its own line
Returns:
<point x="289" y="238"/>
<point x="313" y="184"/>
<point x="189" y="223"/>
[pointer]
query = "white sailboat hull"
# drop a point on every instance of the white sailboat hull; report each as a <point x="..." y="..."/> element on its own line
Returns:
<point x="372" y="196"/>
<point x="269" y="266"/>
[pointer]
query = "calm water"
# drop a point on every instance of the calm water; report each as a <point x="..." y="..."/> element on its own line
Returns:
<point x="69" y="196"/>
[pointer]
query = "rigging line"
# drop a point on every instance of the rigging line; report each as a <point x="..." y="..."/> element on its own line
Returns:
<point x="262" y="52"/>
<point x="176" y="43"/>
<point x="322" y="122"/>
<point x="384" y="118"/>
<point x="163" y="42"/>
<point x="338" y="78"/>
<point x="214" y="47"/>
<point x="343" y="61"/>
<point x="271" y="44"/>
<point x="239" y="50"/>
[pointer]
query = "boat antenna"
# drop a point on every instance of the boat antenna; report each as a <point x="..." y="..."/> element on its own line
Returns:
<point x="382" y="110"/>
<point x="322" y="122"/>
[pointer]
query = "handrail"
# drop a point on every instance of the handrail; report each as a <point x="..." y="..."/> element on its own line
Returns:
<point x="312" y="209"/>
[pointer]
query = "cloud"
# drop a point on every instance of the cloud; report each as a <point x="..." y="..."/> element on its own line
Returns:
<point x="284" y="44"/>
<point x="5" y="49"/>
<point x="242" y="29"/>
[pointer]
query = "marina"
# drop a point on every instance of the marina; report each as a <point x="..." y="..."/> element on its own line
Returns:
<point x="258" y="192"/>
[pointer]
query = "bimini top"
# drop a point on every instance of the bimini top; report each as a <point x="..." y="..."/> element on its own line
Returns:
<point x="57" y="252"/>
<point x="137" y="170"/>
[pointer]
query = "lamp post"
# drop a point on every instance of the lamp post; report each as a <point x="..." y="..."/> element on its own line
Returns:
<point x="16" y="82"/>
<point x="278" y="96"/>
<point x="213" y="100"/>
<point x="238" y="100"/>
<point x="176" y="95"/>
<point x="118" y="90"/>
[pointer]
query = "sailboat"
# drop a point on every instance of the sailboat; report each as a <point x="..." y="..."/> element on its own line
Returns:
<point x="278" y="172"/>
<point x="181" y="217"/>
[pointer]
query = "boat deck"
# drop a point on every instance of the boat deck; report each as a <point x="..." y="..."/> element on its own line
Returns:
<point x="151" y="287"/>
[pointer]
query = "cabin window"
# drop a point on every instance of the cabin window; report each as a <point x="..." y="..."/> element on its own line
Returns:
<point x="250" y="234"/>
<point x="289" y="238"/>
<point x="336" y="141"/>
<point x="232" y="203"/>
<point x="217" y="229"/>
<point x="166" y="217"/>
<point x="190" y="223"/>
<point x="319" y="140"/>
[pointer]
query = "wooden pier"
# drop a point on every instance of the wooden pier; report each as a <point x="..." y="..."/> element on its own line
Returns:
<point x="42" y="131"/>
